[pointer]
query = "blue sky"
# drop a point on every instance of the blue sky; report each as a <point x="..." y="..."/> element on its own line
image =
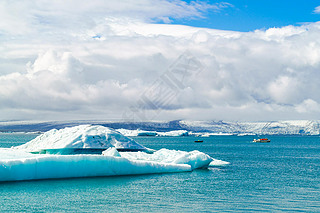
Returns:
<point x="71" y="60"/>
<point x="249" y="15"/>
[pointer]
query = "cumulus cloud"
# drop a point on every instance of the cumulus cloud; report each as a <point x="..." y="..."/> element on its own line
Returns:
<point x="90" y="62"/>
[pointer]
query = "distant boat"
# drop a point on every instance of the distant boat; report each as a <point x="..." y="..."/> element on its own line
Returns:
<point x="198" y="141"/>
<point x="261" y="140"/>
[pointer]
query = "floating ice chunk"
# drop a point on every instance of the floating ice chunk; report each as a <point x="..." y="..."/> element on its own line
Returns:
<point x="175" y="133"/>
<point x="195" y="159"/>
<point x="81" y="137"/>
<point x="216" y="162"/>
<point x="127" y="132"/>
<point x="40" y="166"/>
<point x="20" y="165"/>
<point x="111" y="152"/>
<point x="138" y="132"/>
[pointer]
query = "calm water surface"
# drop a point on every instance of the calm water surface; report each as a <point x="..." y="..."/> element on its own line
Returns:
<point x="281" y="176"/>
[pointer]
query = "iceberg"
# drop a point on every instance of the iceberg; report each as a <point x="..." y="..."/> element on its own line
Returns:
<point x="45" y="166"/>
<point x="195" y="159"/>
<point x="82" y="139"/>
<point x="174" y="133"/>
<point x="138" y="132"/>
<point x="120" y="155"/>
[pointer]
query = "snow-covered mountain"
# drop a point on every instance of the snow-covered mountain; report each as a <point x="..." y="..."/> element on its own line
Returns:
<point x="298" y="127"/>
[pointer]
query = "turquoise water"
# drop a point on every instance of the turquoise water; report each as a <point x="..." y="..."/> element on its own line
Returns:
<point x="280" y="176"/>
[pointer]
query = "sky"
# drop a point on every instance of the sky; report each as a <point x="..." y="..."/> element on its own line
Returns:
<point x="250" y="15"/>
<point x="150" y="60"/>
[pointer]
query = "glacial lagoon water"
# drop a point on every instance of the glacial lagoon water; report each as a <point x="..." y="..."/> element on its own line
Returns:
<point x="281" y="176"/>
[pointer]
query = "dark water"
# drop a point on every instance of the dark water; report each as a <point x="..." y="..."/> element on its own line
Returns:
<point x="281" y="176"/>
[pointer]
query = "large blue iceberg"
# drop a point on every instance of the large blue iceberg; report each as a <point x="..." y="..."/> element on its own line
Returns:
<point x="45" y="156"/>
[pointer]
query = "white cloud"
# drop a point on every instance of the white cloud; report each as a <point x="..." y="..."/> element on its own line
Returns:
<point x="89" y="62"/>
<point x="308" y="106"/>
<point x="284" y="90"/>
<point x="61" y="17"/>
<point x="316" y="10"/>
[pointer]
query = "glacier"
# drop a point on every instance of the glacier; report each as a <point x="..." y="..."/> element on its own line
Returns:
<point x="20" y="163"/>
<point x="180" y="127"/>
<point x="284" y="127"/>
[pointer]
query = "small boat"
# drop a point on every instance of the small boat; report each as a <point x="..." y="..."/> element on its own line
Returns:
<point x="261" y="140"/>
<point x="198" y="141"/>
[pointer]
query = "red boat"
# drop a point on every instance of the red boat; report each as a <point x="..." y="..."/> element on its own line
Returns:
<point x="261" y="140"/>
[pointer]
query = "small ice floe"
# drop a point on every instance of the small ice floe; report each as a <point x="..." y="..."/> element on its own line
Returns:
<point x="139" y="132"/>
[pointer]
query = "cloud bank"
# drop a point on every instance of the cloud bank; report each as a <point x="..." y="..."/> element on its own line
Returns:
<point x="71" y="60"/>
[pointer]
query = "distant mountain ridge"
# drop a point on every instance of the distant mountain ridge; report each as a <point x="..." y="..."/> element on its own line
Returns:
<point x="297" y="127"/>
<point x="291" y="127"/>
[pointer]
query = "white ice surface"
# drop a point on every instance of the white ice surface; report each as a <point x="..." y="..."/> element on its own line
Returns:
<point x="16" y="166"/>
<point x="19" y="164"/>
<point x="195" y="159"/>
<point x="138" y="132"/>
<point x="10" y="153"/>
<point x="82" y="136"/>
<point x="175" y="133"/>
